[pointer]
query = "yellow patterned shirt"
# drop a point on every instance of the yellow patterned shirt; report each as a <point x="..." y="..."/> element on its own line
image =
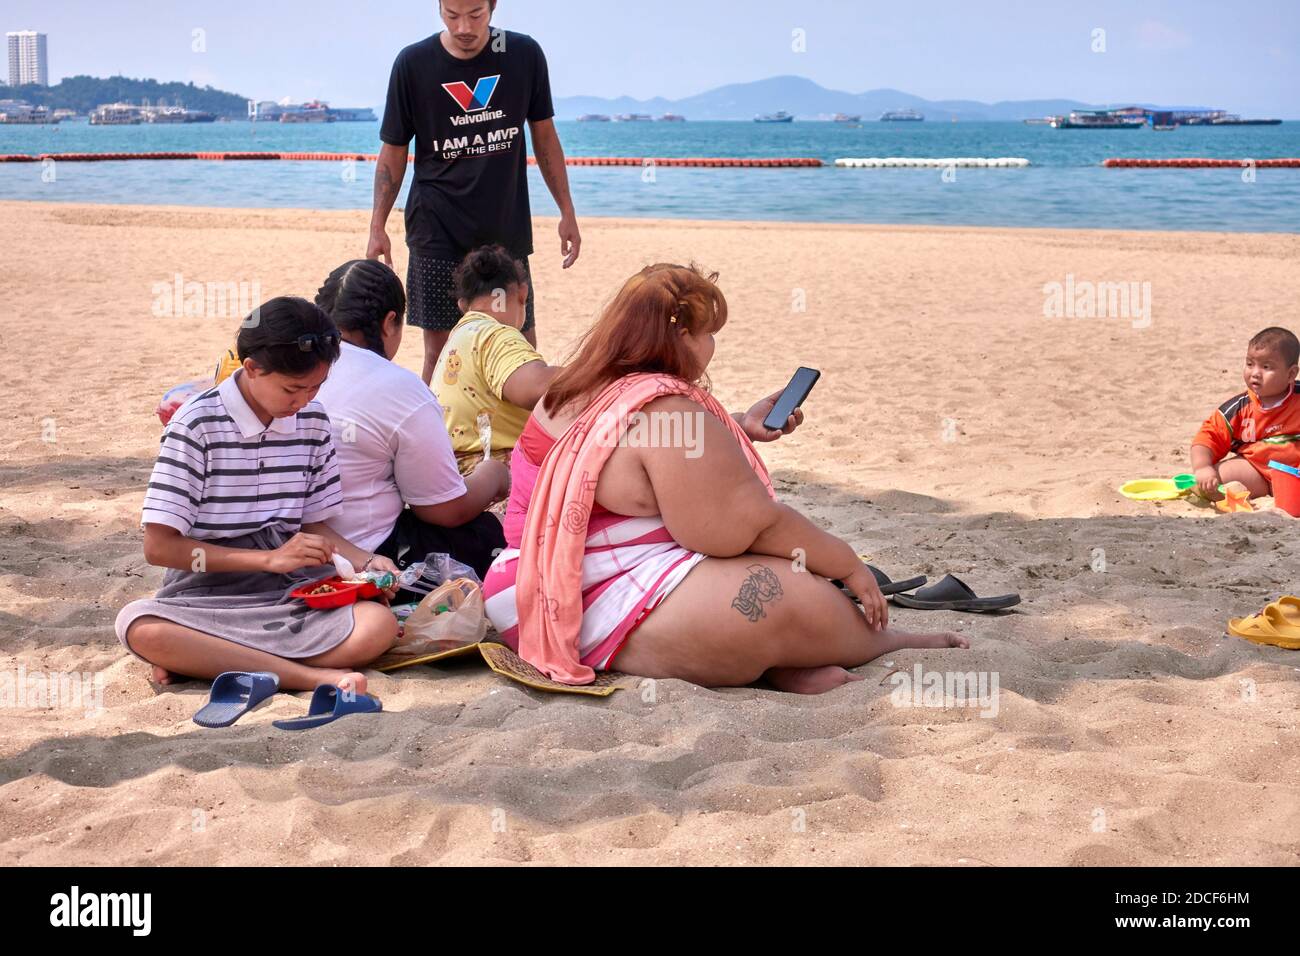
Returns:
<point x="480" y="354"/>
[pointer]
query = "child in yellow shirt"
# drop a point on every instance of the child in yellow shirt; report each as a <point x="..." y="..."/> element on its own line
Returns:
<point x="488" y="368"/>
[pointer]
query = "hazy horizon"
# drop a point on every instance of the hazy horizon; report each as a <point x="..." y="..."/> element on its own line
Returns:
<point x="1190" y="53"/>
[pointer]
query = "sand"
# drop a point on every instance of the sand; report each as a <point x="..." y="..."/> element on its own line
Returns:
<point x="955" y="429"/>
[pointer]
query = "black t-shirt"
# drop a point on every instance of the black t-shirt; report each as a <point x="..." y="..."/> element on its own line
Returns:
<point x="471" y="163"/>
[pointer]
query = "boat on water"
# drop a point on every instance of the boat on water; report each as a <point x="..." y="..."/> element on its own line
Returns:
<point x="117" y="114"/>
<point x="593" y="118"/>
<point x="1099" y="119"/>
<point x="178" y="114"/>
<point x="846" y="118"/>
<point x="315" y="111"/>
<point x="780" y="116"/>
<point x="1234" y="120"/>
<point x="672" y="118"/>
<point x="354" y="114"/>
<point x="311" y="112"/>
<point x="632" y="118"/>
<point x="16" y="113"/>
<point x="901" y="116"/>
<point x="1210" y="118"/>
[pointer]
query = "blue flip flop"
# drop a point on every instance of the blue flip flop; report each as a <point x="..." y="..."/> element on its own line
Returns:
<point x="234" y="694"/>
<point x="328" y="704"/>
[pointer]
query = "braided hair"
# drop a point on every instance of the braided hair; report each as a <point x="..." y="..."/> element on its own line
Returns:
<point x="358" y="295"/>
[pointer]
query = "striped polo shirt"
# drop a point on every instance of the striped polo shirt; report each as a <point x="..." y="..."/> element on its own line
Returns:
<point x="222" y="473"/>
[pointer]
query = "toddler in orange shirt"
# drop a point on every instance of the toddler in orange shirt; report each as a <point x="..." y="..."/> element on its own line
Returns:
<point x="1260" y="425"/>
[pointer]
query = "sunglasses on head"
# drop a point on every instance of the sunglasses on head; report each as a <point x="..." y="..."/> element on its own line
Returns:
<point x="309" y="341"/>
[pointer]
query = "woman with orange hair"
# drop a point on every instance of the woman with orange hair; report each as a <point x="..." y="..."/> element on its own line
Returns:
<point x="642" y="524"/>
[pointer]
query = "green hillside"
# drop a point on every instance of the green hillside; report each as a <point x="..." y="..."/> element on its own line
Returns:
<point x="85" y="93"/>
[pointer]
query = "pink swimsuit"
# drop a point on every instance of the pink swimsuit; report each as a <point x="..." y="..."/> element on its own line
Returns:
<point x="629" y="564"/>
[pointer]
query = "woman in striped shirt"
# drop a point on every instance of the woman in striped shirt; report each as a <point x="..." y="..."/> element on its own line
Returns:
<point x="238" y="510"/>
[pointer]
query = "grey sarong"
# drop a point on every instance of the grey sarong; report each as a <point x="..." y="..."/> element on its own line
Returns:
<point x="252" y="608"/>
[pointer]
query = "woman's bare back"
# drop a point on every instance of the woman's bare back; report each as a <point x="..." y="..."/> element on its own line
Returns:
<point x="623" y="487"/>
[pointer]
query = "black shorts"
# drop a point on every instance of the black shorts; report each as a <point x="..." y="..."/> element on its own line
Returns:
<point x="431" y="298"/>
<point x="476" y="543"/>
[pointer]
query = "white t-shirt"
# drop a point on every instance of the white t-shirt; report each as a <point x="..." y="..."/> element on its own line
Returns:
<point x="391" y="442"/>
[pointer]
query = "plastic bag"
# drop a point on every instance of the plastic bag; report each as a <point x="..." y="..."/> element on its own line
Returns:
<point x="436" y="568"/>
<point x="484" y="422"/>
<point x="450" y="616"/>
<point x="178" y="395"/>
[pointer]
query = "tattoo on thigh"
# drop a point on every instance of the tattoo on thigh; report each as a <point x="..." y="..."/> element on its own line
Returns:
<point x="762" y="586"/>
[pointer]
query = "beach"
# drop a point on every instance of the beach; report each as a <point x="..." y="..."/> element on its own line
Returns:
<point x="956" y="428"/>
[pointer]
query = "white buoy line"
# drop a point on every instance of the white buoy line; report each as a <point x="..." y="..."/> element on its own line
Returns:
<point x="891" y="162"/>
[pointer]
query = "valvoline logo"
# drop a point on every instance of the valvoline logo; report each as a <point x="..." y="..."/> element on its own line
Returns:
<point x="476" y="99"/>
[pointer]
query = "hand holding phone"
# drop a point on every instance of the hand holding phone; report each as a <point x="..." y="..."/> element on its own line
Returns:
<point x="794" y="395"/>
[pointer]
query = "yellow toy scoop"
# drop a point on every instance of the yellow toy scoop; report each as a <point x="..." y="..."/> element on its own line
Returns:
<point x="1153" y="489"/>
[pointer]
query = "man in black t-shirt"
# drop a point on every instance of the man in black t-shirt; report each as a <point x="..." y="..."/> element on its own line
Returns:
<point x="463" y="94"/>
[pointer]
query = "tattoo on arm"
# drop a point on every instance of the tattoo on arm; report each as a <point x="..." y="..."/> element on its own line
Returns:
<point x="762" y="586"/>
<point x="385" y="189"/>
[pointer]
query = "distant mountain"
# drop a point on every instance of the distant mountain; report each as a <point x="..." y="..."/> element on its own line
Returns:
<point x="84" y="93"/>
<point x="808" y="100"/>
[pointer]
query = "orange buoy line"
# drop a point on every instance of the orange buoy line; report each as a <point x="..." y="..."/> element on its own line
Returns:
<point x="123" y="157"/>
<point x="1201" y="163"/>
<point x="778" y="163"/>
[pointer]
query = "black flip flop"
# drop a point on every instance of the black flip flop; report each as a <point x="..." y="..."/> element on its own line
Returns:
<point x="883" y="582"/>
<point x="952" y="594"/>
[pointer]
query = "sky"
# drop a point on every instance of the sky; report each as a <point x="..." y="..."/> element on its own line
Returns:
<point x="1245" y="58"/>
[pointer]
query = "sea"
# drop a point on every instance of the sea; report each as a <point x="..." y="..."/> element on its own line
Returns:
<point x="1065" y="187"/>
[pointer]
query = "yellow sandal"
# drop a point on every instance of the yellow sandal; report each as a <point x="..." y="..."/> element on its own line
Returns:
<point x="1271" y="628"/>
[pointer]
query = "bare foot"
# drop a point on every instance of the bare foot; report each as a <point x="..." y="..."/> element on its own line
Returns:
<point x="809" y="680"/>
<point x="901" y="639"/>
<point x="349" y="681"/>
<point x="165" y="677"/>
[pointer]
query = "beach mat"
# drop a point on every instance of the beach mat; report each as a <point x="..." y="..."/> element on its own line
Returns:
<point x="394" y="661"/>
<point x="509" y="664"/>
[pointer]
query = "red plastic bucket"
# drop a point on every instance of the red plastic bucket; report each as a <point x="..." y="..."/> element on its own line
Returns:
<point x="1286" y="488"/>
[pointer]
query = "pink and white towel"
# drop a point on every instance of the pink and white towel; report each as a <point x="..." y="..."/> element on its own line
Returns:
<point x="578" y="578"/>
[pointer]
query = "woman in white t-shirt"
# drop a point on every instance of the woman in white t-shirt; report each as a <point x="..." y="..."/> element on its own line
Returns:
<point x="403" y="496"/>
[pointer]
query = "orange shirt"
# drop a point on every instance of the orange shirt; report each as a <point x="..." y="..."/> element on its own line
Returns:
<point x="1241" y="426"/>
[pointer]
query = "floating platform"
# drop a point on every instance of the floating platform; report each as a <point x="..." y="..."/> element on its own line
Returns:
<point x="893" y="162"/>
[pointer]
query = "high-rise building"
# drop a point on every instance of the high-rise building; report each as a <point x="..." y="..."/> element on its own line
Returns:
<point x="28" y="60"/>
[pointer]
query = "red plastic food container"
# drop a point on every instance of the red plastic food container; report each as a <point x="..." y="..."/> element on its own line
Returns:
<point x="342" y="595"/>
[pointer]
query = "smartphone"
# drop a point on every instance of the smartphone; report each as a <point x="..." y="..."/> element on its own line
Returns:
<point x="801" y="383"/>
